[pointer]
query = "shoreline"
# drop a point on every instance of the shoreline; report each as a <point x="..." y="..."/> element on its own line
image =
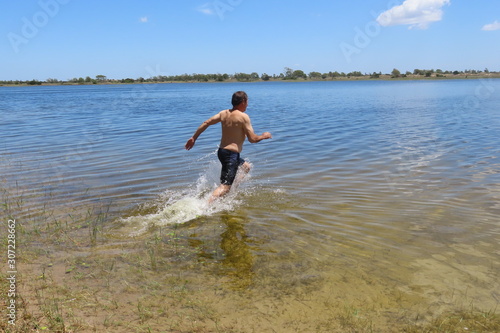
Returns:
<point x="384" y="77"/>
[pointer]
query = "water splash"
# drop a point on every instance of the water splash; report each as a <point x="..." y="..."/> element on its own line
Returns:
<point x="184" y="205"/>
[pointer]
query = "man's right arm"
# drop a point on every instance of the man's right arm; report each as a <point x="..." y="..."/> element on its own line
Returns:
<point x="211" y="121"/>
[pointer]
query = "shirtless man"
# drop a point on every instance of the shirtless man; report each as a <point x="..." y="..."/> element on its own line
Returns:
<point x="236" y="126"/>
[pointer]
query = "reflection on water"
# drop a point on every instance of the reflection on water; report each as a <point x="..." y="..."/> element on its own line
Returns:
<point x="377" y="192"/>
<point x="237" y="258"/>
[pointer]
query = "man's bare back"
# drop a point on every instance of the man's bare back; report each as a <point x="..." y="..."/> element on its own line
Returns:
<point x="235" y="125"/>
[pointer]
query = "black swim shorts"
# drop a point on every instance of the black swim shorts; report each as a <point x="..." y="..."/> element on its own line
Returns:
<point x="230" y="161"/>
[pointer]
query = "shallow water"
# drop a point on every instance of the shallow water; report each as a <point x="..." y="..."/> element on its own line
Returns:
<point x="395" y="185"/>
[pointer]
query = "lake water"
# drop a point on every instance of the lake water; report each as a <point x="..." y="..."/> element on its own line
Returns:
<point x="375" y="188"/>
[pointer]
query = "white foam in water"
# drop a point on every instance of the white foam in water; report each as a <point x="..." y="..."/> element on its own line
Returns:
<point x="185" y="205"/>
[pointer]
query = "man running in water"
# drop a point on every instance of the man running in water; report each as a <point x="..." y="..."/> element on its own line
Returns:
<point x="236" y="126"/>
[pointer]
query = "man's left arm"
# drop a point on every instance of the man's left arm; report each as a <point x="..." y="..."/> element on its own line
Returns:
<point x="250" y="134"/>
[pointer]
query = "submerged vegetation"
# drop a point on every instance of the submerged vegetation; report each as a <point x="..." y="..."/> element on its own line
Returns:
<point x="288" y="74"/>
<point x="78" y="271"/>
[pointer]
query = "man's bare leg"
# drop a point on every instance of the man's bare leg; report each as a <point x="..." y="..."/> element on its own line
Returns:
<point x="243" y="170"/>
<point x="219" y="192"/>
<point x="245" y="167"/>
<point x="222" y="190"/>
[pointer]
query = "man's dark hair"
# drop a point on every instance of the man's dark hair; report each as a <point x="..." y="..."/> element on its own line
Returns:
<point x="238" y="98"/>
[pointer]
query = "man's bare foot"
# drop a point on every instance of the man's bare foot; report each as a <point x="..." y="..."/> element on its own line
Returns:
<point x="219" y="192"/>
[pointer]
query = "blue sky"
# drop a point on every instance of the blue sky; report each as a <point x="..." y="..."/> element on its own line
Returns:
<point x="64" y="39"/>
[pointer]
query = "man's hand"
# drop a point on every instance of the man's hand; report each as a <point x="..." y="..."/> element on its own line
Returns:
<point x="267" y="135"/>
<point x="189" y="144"/>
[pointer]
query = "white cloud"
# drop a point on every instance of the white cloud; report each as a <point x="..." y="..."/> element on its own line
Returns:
<point x="143" y="19"/>
<point x="206" y="9"/>
<point x="492" y="26"/>
<point x="415" y="13"/>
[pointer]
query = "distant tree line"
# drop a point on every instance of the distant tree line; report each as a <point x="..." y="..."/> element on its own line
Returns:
<point x="438" y="72"/>
<point x="287" y="74"/>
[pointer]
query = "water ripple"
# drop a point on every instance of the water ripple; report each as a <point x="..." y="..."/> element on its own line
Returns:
<point x="355" y="170"/>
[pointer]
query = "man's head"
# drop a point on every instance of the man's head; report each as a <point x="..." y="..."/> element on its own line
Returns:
<point x="240" y="98"/>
